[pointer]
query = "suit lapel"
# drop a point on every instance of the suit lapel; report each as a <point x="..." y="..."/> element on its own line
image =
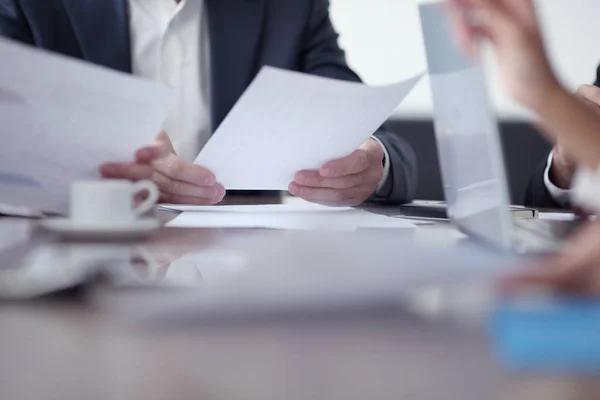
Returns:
<point x="235" y="28"/>
<point x="102" y="30"/>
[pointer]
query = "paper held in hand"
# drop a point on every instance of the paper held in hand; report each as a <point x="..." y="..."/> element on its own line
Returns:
<point x="288" y="121"/>
<point x="62" y="118"/>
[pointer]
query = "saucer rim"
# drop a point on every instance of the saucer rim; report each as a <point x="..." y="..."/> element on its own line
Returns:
<point x="55" y="224"/>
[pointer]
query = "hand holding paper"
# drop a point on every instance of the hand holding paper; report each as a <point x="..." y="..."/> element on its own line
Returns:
<point x="62" y="124"/>
<point x="287" y="122"/>
<point x="179" y="181"/>
<point x="349" y="181"/>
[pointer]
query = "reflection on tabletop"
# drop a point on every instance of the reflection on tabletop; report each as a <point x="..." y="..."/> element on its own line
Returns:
<point x="366" y="299"/>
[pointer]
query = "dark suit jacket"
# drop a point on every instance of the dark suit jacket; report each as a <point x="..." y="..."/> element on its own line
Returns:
<point x="245" y="35"/>
<point x="537" y="195"/>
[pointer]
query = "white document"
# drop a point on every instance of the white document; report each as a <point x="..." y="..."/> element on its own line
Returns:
<point x="548" y="216"/>
<point x="263" y="208"/>
<point x="378" y="221"/>
<point x="288" y="121"/>
<point x="62" y="118"/>
<point x="290" y="217"/>
<point x="337" y="221"/>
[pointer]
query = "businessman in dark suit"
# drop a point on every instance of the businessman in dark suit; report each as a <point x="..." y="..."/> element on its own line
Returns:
<point x="550" y="186"/>
<point x="211" y="50"/>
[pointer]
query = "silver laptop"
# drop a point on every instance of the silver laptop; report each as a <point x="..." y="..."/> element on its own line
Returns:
<point x="470" y="151"/>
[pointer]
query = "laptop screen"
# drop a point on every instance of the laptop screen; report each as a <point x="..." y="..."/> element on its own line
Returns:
<point x="469" y="148"/>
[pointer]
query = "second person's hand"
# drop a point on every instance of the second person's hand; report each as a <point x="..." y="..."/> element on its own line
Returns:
<point x="179" y="181"/>
<point x="576" y="270"/>
<point x="564" y="166"/>
<point x="512" y="28"/>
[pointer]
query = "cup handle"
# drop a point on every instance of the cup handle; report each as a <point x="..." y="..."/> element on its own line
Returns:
<point x="153" y="267"/>
<point x="153" y="194"/>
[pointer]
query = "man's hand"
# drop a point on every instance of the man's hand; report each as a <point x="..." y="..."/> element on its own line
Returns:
<point x="513" y="30"/>
<point x="563" y="165"/>
<point x="179" y="182"/>
<point x="349" y="181"/>
<point x="575" y="271"/>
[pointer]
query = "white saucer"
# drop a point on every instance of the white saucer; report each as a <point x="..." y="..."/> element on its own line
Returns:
<point x="102" y="231"/>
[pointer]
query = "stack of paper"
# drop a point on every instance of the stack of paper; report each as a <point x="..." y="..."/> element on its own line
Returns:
<point x="284" y="216"/>
<point x="63" y="118"/>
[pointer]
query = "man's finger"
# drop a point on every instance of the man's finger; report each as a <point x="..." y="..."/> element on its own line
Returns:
<point x="178" y="169"/>
<point x="590" y="93"/>
<point x="164" y="141"/>
<point x="130" y="171"/>
<point x="148" y="154"/>
<point x="330" y="197"/>
<point x="355" y="163"/>
<point x="318" y="194"/>
<point x="481" y="17"/>
<point x="315" y="180"/>
<point x="582" y="242"/>
<point x="463" y="29"/>
<point x="180" y="188"/>
<point x="527" y="280"/>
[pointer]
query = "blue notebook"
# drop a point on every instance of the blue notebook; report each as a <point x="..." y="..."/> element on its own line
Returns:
<point x="548" y="335"/>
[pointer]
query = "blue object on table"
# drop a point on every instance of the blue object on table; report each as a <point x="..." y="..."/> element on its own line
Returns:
<point x="548" y="335"/>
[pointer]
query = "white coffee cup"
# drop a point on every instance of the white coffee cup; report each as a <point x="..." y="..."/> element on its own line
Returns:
<point x="110" y="201"/>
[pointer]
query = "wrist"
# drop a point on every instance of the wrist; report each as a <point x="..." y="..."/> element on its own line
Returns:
<point x="375" y="148"/>
<point x="561" y="174"/>
<point x="546" y="99"/>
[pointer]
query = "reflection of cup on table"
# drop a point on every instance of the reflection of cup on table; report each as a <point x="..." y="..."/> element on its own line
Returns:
<point x="126" y="264"/>
<point x="110" y="201"/>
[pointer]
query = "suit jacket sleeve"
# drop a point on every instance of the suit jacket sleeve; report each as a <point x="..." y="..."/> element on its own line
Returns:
<point x="321" y="55"/>
<point x="537" y="194"/>
<point x="12" y="22"/>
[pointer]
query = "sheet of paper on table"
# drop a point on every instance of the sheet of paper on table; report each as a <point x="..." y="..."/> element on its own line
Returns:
<point x="287" y="121"/>
<point x="302" y="207"/>
<point x="62" y="118"/>
<point x="557" y="216"/>
<point x="284" y="216"/>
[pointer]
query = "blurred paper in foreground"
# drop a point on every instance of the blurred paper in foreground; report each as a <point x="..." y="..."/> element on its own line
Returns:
<point x="62" y="118"/>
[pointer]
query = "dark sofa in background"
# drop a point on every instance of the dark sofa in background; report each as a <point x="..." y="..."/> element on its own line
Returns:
<point x="524" y="149"/>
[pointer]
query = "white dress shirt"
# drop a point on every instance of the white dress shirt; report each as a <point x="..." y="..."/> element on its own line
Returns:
<point x="586" y="189"/>
<point x="165" y="48"/>
<point x="561" y="196"/>
<point x="170" y="44"/>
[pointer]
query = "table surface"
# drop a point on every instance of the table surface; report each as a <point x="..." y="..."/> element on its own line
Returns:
<point x="435" y="345"/>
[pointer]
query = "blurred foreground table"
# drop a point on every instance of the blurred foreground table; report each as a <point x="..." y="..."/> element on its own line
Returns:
<point x="435" y="347"/>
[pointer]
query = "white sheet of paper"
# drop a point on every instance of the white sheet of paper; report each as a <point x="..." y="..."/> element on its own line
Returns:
<point x="263" y="208"/>
<point x="338" y="221"/>
<point x="370" y="220"/>
<point x="288" y="121"/>
<point x="62" y="118"/>
<point x="557" y="216"/>
<point x="291" y="217"/>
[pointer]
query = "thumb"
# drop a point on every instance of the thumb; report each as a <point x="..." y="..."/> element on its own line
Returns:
<point x="590" y="93"/>
<point x="164" y="141"/>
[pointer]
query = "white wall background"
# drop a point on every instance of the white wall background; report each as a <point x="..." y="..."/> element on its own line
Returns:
<point x="384" y="44"/>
